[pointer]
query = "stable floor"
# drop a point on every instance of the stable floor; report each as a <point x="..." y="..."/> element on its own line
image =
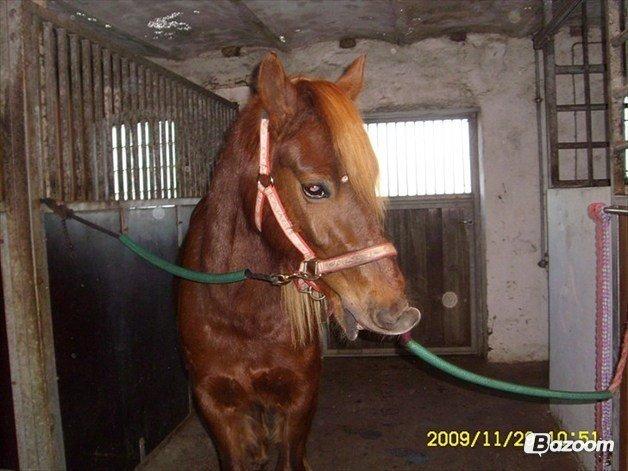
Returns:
<point x="376" y="414"/>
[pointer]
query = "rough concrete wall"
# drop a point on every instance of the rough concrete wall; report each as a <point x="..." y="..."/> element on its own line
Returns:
<point x="490" y="72"/>
<point x="572" y="301"/>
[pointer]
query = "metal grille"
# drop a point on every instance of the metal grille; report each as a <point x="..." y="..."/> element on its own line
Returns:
<point x="109" y="121"/>
<point x="575" y="95"/>
<point x="615" y="14"/>
<point x="426" y="157"/>
<point x="152" y="159"/>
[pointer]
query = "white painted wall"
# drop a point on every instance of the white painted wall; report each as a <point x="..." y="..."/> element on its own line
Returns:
<point x="571" y="244"/>
<point x="490" y="72"/>
<point x="572" y="301"/>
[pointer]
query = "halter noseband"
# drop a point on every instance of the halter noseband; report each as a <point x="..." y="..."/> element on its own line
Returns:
<point x="311" y="268"/>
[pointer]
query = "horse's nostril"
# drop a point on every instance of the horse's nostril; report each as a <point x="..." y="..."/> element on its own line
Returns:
<point x="399" y="321"/>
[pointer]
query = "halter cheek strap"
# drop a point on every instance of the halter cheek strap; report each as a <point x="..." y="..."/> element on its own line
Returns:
<point x="311" y="268"/>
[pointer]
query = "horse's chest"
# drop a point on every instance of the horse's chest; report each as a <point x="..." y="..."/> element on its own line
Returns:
<point x="276" y="386"/>
<point x="275" y="381"/>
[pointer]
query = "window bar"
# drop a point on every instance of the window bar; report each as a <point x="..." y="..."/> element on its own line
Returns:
<point x="382" y="149"/>
<point x="401" y="159"/>
<point x="410" y="160"/>
<point x="175" y="119"/>
<point x="199" y="147"/>
<point x="574" y="69"/>
<point x="166" y="162"/>
<point x="432" y="168"/>
<point x="169" y="168"/>
<point x="122" y="154"/>
<point x="101" y="152"/>
<point x="174" y="160"/>
<point x="587" y="90"/>
<point x="65" y="116"/>
<point x="193" y="144"/>
<point x="52" y="108"/>
<point x="77" y="119"/>
<point x="147" y="158"/>
<point x="180" y="151"/>
<point x="130" y="160"/>
<point x="148" y="133"/>
<point x="89" y="154"/>
<point x="108" y="170"/>
<point x="114" y="153"/>
<point x="424" y="155"/>
<point x="165" y="182"/>
<point x="154" y="132"/>
<point x="159" y="137"/>
<point x="141" y="185"/>
<point x="134" y="93"/>
<point x="206" y="145"/>
<point x="159" y="158"/>
<point x="141" y="137"/>
<point x="117" y="111"/>
<point x="183" y="146"/>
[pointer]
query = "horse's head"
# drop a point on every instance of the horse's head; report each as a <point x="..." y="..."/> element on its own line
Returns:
<point x="325" y="172"/>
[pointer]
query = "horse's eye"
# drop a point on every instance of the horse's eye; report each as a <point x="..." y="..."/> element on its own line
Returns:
<point x="315" y="190"/>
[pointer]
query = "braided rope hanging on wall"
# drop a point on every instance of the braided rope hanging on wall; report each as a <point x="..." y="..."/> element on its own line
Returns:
<point x="603" y="328"/>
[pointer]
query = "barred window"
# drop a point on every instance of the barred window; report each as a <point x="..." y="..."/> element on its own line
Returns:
<point x="144" y="160"/>
<point x="425" y="157"/>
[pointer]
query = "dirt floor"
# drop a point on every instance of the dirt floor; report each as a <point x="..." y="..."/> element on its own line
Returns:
<point x="376" y="414"/>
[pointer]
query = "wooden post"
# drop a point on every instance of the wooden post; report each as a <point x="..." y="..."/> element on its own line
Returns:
<point x="24" y="266"/>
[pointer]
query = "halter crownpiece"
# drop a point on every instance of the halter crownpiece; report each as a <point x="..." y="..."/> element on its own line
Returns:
<point x="310" y="268"/>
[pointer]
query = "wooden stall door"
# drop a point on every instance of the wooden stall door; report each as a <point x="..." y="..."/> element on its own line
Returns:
<point x="435" y="243"/>
<point x="122" y="382"/>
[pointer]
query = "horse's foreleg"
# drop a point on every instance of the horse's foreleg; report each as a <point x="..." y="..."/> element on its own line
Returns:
<point x="239" y="445"/>
<point x="296" y="427"/>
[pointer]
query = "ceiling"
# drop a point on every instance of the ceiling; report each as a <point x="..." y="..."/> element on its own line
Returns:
<point x="182" y="29"/>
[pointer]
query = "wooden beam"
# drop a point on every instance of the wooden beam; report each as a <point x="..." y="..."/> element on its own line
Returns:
<point x="562" y="12"/>
<point x="24" y="267"/>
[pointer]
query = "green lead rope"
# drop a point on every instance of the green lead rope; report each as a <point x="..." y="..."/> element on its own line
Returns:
<point x="181" y="272"/>
<point x="414" y="347"/>
<point x="577" y="396"/>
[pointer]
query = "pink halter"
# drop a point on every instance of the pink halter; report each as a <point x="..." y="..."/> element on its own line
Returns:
<point x="311" y="268"/>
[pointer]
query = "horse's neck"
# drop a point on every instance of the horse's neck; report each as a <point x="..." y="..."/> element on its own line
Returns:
<point x="222" y="240"/>
<point x="229" y="241"/>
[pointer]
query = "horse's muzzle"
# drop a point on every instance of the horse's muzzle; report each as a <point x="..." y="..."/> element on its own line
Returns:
<point x="398" y="322"/>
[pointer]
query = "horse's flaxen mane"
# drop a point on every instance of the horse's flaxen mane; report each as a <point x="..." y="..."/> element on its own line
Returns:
<point x="351" y="142"/>
<point x="305" y="314"/>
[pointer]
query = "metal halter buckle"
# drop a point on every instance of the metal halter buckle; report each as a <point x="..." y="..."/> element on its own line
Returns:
<point x="308" y="270"/>
<point x="314" y="294"/>
<point x="280" y="279"/>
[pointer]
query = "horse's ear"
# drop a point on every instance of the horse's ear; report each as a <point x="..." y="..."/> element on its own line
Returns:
<point x="278" y="94"/>
<point x="351" y="80"/>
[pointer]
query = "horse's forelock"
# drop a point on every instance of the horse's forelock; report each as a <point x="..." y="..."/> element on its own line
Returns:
<point x="351" y="142"/>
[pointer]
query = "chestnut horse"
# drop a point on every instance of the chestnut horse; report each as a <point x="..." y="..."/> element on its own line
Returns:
<point x="253" y="349"/>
